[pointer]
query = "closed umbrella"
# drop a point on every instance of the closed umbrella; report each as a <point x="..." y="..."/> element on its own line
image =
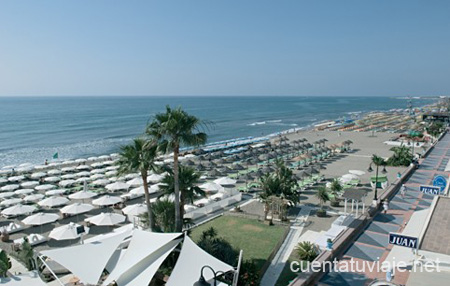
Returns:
<point x="77" y="208"/>
<point x="53" y="202"/>
<point x="18" y="210"/>
<point x="135" y="210"/>
<point x="66" y="232"/>
<point x="106" y="219"/>
<point x="106" y="201"/>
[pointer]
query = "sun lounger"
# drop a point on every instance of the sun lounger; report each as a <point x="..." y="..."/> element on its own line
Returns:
<point x="12" y="228"/>
<point x="33" y="239"/>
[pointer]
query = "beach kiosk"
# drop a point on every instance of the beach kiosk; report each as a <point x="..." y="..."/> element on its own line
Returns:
<point x="382" y="182"/>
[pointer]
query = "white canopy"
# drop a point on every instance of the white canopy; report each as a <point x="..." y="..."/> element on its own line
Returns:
<point x="117" y="186"/>
<point x="9" y="188"/>
<point x="10" y="202"/>
<point x="77" y="208"/>
<point x="44" y="187"/>
<point x="30" y="184"/>
<point x="33" y="198"/>
<point x="211" y="187"/>
<point x="24" y="191"/>
<point x="190" y="262"/>
<point x="67" y="231"/>
<point x="55" y="192"/>
<point x="81" y="195"/>
<point x="139" y="264"/>
<point x="225" y="181"/>
<point x="106" y="219"/>
<point x="40" y="218"/>
<point x="18" y="210"/>
<point x="53" y="202"/>
<point x="87" y="261"/>
<point x="134" y="210"/>
<point x="106" y="201"/>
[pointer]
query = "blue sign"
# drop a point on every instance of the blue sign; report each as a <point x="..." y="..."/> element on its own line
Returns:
<point x="403" y="240"/>
<point x="431" y="190"/>
<point x="440" y="181"/>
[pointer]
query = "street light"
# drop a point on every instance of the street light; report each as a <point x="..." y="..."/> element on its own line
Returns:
<point x="202" y="281"/>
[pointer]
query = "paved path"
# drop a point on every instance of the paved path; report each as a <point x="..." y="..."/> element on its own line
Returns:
<point x="276" y="267"/>
<point x="372" y="245"/>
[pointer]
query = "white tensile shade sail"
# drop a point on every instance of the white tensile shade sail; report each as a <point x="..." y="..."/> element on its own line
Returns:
<point x="87" y="261"/>
<point x="40" y="219"/>
<point x="211" y="187"/>
<point x="64" y="232"/>
<point x="53" y="202"/>
<point x="18" y="210"/>
<point x="117" y="186"/>
<point x="224" y="181"/>
<point x="134" y="210"/>
<point x="106" y="201"/>
<point x="106" y="219"/>
<point x="77" y="208"/>
<point x="190" y="262"/>
<point x="139" y="264"/>
<point x="82" y="195"/>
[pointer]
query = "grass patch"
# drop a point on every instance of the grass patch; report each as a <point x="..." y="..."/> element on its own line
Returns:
<point x="256" y="239"/>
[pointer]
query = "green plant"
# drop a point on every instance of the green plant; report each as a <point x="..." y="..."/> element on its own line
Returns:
<point x="335" y="189"/>
<point x="402" y="156"/>
<point x="321" y="213"/>
<point x="435" y="128"/>
<point x="306" y="251"/>
<point x="164" y="214"/>
<point x="248" y="274"/>
<point x="5" y="263"/>
<point x="172" y="129"/>
<point x="26" y="254"/>
<point x="217" y="246"/>
<point x="139" y="156"/>
<point x="322" y="195"/>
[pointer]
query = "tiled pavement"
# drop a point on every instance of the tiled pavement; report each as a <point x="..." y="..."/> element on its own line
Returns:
<point x="372" y="245"/>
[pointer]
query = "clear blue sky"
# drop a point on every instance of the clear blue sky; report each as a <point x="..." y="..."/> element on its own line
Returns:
<point x="232" y="47"/>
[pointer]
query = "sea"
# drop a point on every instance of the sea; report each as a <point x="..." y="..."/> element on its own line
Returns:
<point x="33" y="128"/>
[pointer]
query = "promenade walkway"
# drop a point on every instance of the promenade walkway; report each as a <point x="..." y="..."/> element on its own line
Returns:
<point x="276" y="267"/>
<point x="372" y="245"/>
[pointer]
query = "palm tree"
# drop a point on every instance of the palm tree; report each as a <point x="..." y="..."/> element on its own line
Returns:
<point x="139" y="156"/>
<point x="322" y="195"/>
<point x="164" y="214"/>
<point x="171" y="129"/>
<point x="306" y="251"/>
<point x="189" y="191"/>
<point x="5" y="263"/>
<point x="402" y="156"/>
<point x="335" y="188"/>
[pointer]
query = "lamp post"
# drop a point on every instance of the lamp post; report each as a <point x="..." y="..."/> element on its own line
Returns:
<point x="202" y="281"/>
<point x="375" y="196"/>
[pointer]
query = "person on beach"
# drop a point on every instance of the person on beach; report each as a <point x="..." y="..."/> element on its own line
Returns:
<point x="46" y="162"/>
<point x="399" y="175"/>
<point x="403" y="191"/>
<point x="385" y="206"/>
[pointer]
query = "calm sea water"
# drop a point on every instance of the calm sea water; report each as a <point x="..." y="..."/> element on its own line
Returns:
<point x="34" y="128"/>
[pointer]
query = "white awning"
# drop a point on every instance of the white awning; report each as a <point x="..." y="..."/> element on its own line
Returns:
<point x="144" y="255"/>
<point x="190" y="262"/>
<point x="88" y="260"/>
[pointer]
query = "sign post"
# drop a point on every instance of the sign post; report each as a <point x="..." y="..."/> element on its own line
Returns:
<point x="403" y="240"/>
<point x="431" y="190"/>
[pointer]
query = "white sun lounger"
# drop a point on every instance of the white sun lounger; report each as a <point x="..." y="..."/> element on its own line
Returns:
<point x="33" y="239"/>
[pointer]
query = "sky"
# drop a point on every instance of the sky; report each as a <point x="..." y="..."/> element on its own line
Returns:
<point x="232" y="47"/>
